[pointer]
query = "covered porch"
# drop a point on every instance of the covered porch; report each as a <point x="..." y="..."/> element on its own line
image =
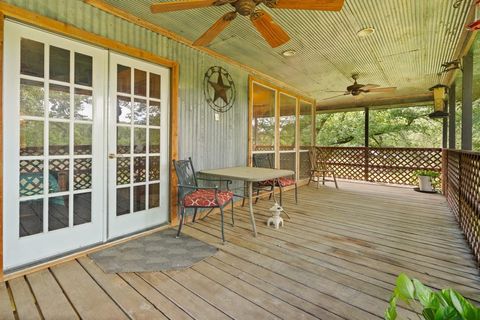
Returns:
<point x="337" y="258"/>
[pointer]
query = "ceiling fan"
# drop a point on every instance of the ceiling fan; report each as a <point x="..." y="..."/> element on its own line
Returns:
<point x="356" y="88"/>
<point x="263" y="22"/>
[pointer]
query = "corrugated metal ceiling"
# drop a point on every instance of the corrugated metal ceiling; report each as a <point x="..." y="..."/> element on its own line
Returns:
<point x="412" y="39"/>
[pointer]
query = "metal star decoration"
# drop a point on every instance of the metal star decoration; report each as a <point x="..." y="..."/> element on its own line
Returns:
<point x="220" y="89"/>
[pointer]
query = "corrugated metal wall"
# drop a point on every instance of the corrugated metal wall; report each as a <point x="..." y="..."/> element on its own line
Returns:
<point x="210" y="143"/>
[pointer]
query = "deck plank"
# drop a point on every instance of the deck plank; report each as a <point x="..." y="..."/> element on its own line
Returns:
<point x="50" y="298"/>
<point x="131" y="302"/>
<point x="228" y="301"/>
<point x="25" y="303"/>
<point x="90" y="301"/>
<point x="337" y="258"/>
<point x="167" y="307"/>
<point x="355" y="253"/>
<point x="251" y="293"/>
<point x="6" y="310"/>
<point x="276" y="290"/>
<point x="195" y="306"/>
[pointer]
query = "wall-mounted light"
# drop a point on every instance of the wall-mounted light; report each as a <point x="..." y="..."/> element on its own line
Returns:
<point x="439" y="100"/>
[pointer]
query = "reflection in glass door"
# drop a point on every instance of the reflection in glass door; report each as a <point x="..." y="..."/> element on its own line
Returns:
<point x="287" y="132"/>
<point x="138" y="145"/>
<point x="53" y="175"/>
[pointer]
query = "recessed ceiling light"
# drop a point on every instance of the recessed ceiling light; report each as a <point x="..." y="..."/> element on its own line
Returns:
<point x="289" y="53"/>
<point x="365" y="32"/>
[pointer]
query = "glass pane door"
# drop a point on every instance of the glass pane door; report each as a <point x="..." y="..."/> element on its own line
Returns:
<point x="287" y="132"/>
<point x="53" y="174"/>
<point x="263" y="126"/>
<point x="138" y="145"/>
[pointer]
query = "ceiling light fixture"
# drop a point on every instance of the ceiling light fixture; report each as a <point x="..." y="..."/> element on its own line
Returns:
<point x="365" y="32"/>
<point x="289" y="53"/>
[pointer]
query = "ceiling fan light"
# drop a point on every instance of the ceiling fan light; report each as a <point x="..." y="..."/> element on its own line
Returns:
<point x="365" y="32"/>
<point x="289" y="53"/>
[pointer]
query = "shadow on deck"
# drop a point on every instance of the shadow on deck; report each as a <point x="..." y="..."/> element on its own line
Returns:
<point x="337" y="258"/>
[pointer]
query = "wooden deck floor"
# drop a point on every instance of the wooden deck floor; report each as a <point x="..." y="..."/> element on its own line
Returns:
<point x="336" y="259"/>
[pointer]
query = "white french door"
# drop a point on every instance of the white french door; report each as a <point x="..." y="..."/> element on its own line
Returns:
<point x="54" y="98"/>
<point x="85" y="136"/>
<point x="138" y="145"/>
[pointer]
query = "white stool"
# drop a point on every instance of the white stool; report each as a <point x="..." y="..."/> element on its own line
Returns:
<point x="276" y="219"/>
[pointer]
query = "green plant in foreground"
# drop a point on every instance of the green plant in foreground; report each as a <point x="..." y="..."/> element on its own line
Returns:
<point x="446" y="304"/>
<point x="427" y="173"/>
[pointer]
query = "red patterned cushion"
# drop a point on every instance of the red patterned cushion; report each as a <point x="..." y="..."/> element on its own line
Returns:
<point x="206" y="198"/>
<point x="266" y="183"/>
<point x="285" y="182"/>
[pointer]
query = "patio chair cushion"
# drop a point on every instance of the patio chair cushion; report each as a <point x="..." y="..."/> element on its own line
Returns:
<point x="206" y="198"/>
<point x="285" y="182"/>
<point x="266" y="183"/>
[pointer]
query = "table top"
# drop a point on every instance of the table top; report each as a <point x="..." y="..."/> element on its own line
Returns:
<point x="253" y="174"/>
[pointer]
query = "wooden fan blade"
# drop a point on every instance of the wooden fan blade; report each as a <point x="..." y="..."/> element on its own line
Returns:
<point x="270" y="31"/>
<point x="340" y="95"/>
<point x="180" y="5"/>
<point x="370" y="86"/>
<point x="383" y="90"/>
<point x="324" y="5"/>
<point x="215" y="29"/>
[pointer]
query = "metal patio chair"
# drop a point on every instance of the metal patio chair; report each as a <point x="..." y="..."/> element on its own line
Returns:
<point x="191" y="195"/>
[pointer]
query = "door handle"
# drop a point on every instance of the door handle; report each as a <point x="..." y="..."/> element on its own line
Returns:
<point x="112" y="156"/>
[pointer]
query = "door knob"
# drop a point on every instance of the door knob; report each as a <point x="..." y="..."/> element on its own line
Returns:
<point x="111" y="156"/>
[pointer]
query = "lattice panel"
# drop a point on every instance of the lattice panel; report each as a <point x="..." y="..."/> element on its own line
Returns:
<point x="82" y="178"/>
<point x="139" y="169"/>
<point x="123" y="171"/>
<point x="453" y="181"/>
<point x="463" y="194"/>
<point x="287" y="161"/>
<point x="304" y="165"/>
<point x="398" y="165"/>
<point x="348" y="163"/>
<point x="386" y="165"/>
<point x="31" y="177"/>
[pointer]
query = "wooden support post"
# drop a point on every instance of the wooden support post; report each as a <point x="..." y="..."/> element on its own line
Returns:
<point x="367" y="126"/>
<point x="444" y="171"/>
<point x="467" y="101"/>
<point x="367" y="140"/>
<point x="452" y="117"/>
<point x="2" y="21"/>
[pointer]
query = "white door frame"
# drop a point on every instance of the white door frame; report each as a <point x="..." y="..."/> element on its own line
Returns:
<point x="119" y="226"/>
<point x="19" y="251"/>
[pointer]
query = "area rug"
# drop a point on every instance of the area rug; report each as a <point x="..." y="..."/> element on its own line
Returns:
<point x="159" y="251"/>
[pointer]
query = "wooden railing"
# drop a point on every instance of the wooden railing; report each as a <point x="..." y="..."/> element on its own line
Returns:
<point x="462" y="189"/>
<point x="384" y="165"/>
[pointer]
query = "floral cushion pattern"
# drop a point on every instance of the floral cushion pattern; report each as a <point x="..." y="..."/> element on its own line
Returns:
<point x="266" y="183"/>
<point x="282" y="182"/>
<point x="285" y="182"/>
<point x="206" y="198"/>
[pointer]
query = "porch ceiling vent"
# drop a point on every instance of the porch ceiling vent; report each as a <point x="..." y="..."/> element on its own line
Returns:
<point x="439" y="101"/>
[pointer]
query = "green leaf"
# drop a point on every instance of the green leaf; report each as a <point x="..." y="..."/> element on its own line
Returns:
<point x="422" y="293"/>
<point x="458" y="302"/>
<point x="428" y="314"/>
<point x="405" y="287"/>
<point x="391" y="313"/>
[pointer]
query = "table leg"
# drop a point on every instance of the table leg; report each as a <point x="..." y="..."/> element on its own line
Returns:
<point x="250" y="203"/>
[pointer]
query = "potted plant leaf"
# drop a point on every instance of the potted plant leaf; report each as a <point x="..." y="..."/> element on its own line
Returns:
<point x="446" y="304"/>
<point x="427" y="180"/>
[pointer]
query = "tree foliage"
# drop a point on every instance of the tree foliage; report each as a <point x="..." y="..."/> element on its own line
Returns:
<point x="399" y="127"/>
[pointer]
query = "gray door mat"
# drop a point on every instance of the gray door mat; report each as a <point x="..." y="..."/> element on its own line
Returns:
<point x="159" y="251"/>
